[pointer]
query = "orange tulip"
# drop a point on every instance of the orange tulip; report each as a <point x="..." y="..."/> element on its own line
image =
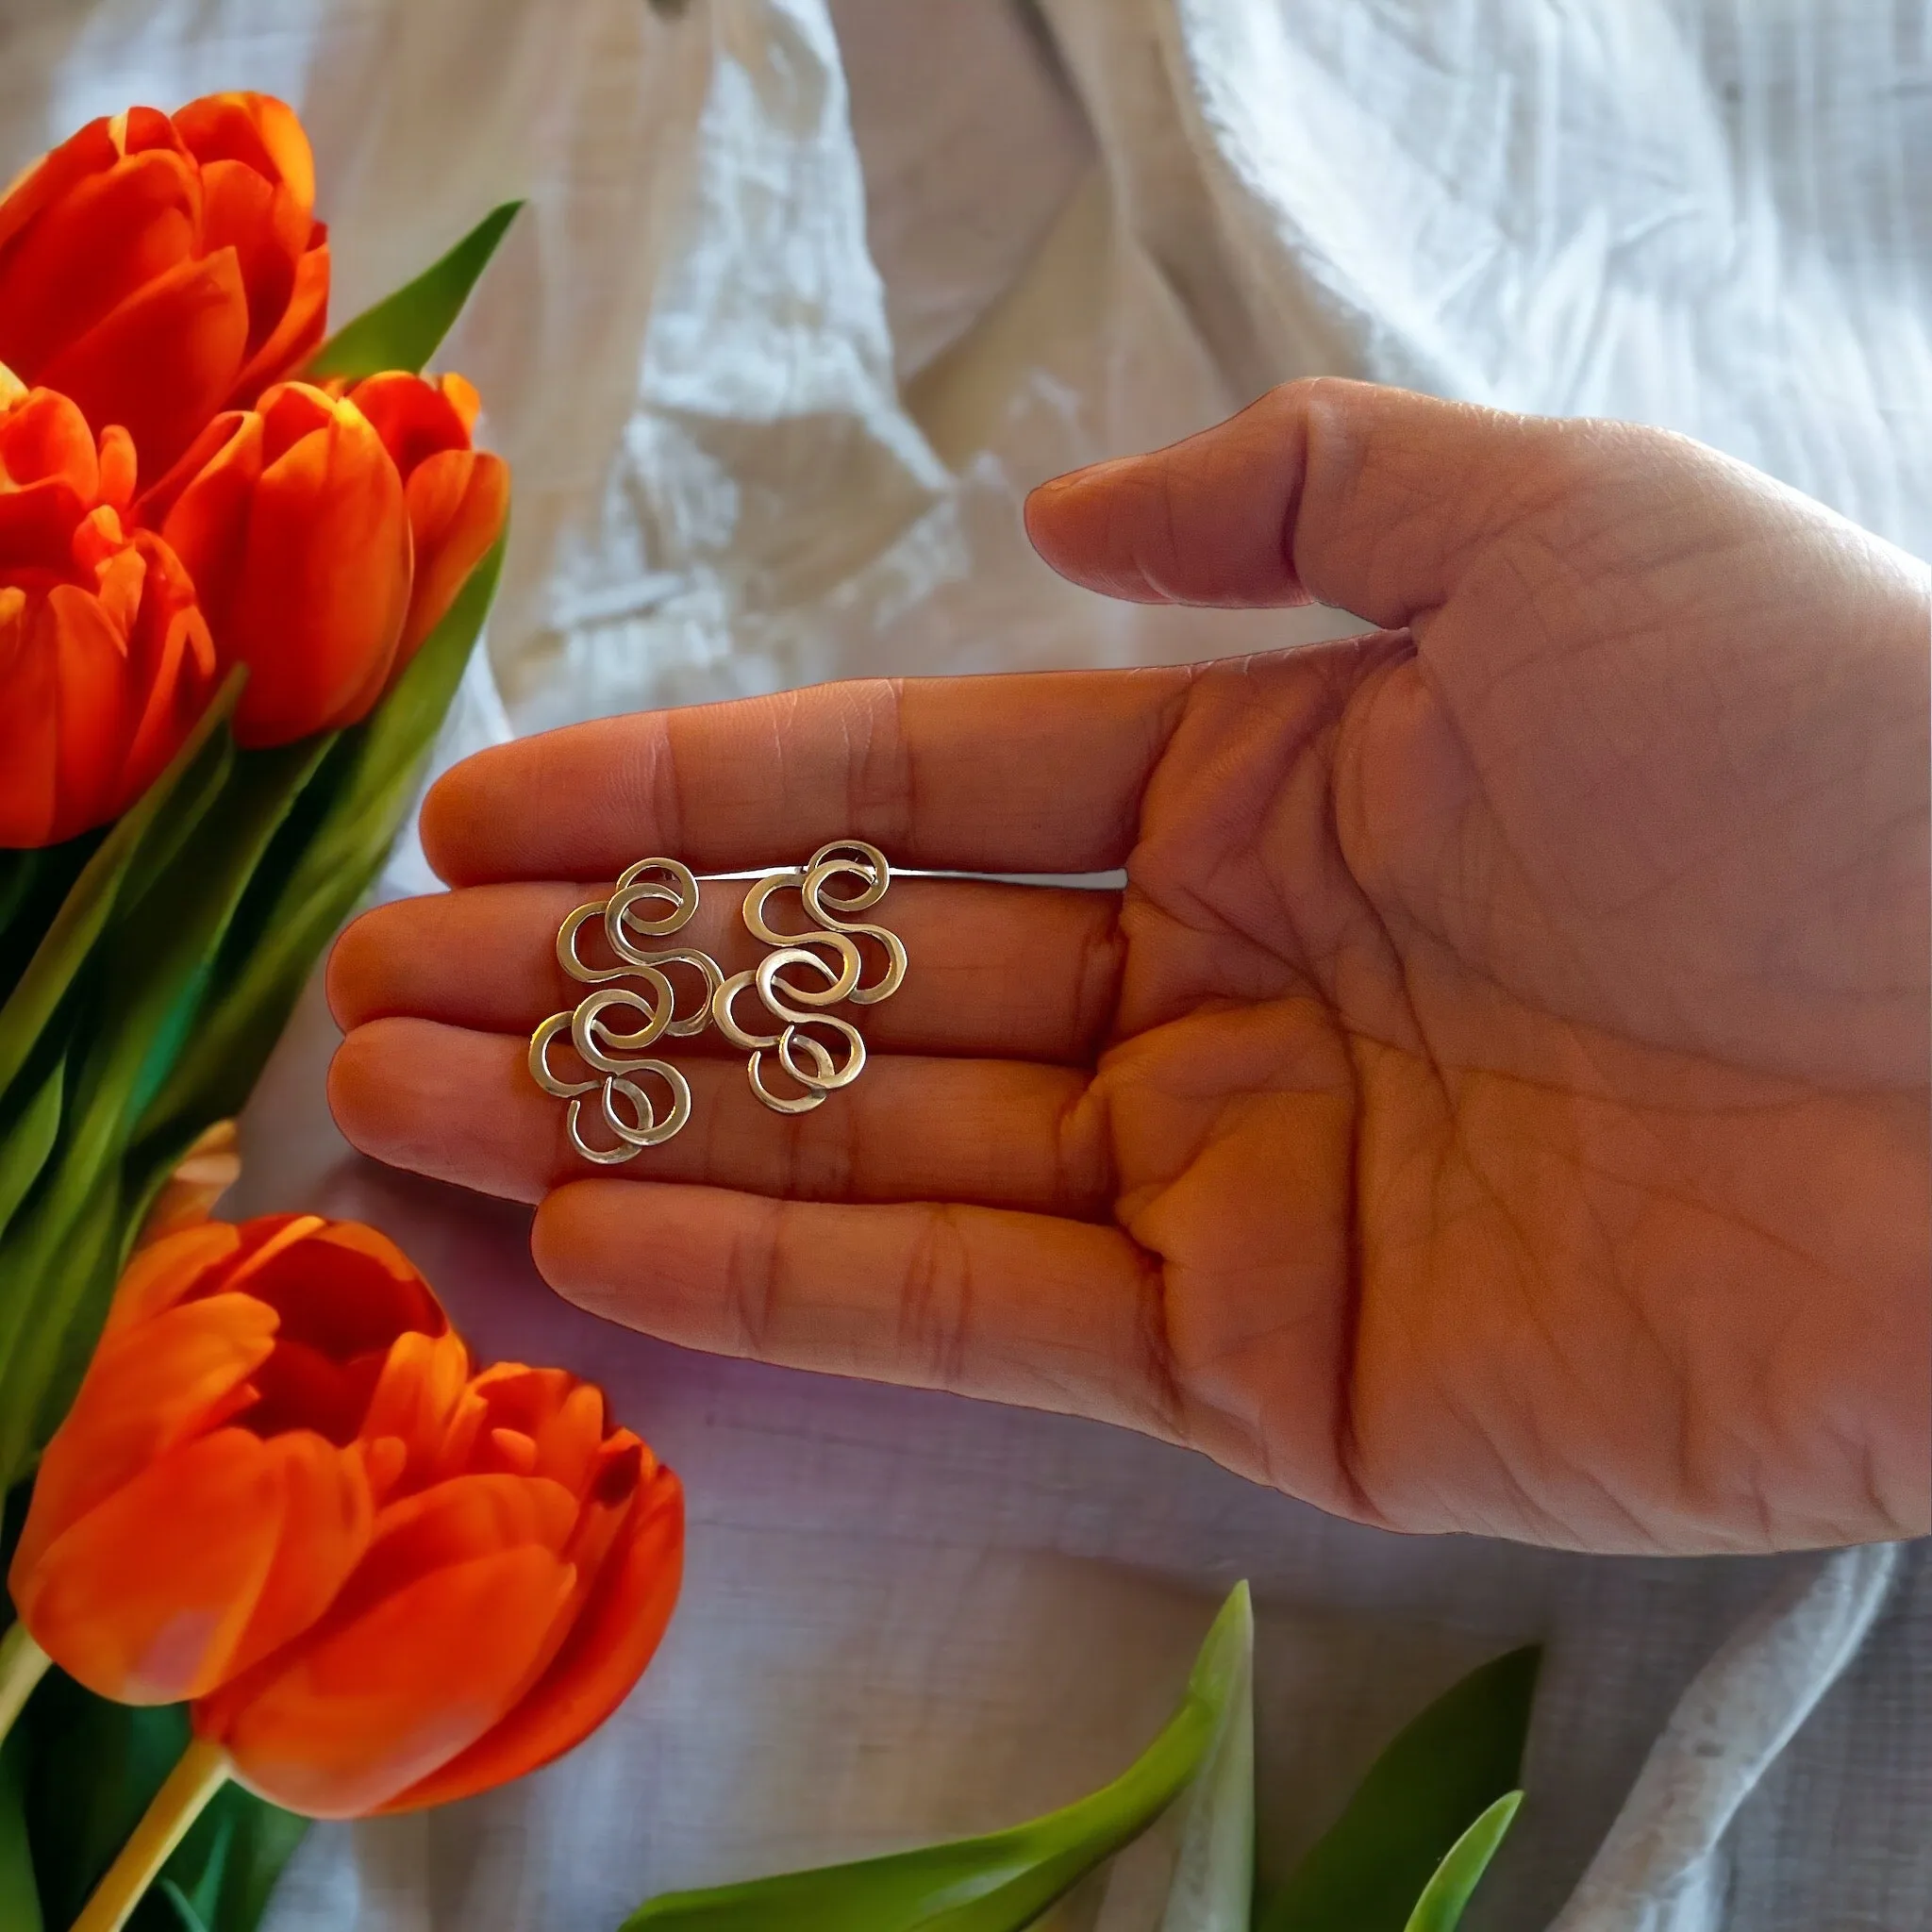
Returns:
<point x="157" y="269"/>
<point x="257" y="1388"/>
<point x="105" y="658"/>
<point x="457" y="497"/>
<point x="497" y="1619"/>
<point x="292" y="522"/>
<point x="327" y="531"/>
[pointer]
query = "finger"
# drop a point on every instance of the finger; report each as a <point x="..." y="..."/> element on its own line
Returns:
<point x="461" y="1106"/>
<point x="1016" y="1307"/>
<point x="1010" y="972"/>
<point x="1038" y="773"/>
<point x="1372" y="499"/>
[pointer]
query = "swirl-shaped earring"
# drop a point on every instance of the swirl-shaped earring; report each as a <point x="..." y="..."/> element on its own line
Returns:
<point x="616" y="1059"/>
<point x="817" y="1070"/>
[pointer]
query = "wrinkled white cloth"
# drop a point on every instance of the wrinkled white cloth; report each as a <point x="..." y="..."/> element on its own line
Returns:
<point x="805" y="296"/>
<point x="1664" y="1866"/>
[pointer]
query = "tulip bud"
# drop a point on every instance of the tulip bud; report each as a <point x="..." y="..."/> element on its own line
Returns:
<point x="157" y="269"/>
<point x="290" y="519"/>
<point x="213" y="1484"/>
<point x="498" y="1617"/>
<point x="106" y="661"/>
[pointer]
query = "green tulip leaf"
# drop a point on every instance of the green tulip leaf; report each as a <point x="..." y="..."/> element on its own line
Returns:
<point x="89" y="1769"/>
<point x="1440" y="1908"/>
<point x="180" y="794"/>
<point x="26" y="1143"/>
<point x="220" y="1876"/>
<point x="1004" y="1881"/>
<point x="19" y="876"/>
<point x="404" y="330"/>
<point x="93" y="1769"/>
<point x="1443" y="1772"/>
<point x="1212" y="1888"/>
<point x="186" y="1918"/>
<point x="198" y="969"/>
<point x="331" y="848"/>
<point x="68" y="1231"/>
<point x="33" y="883"/>
<point x="262" y="792"/>
<point x="19" y="1891"/>
<point x="59" y="1260"/>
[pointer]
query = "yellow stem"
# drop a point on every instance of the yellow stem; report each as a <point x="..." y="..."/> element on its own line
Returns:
<point x="202" y="1772"/>
<point x="22" y="1664"/>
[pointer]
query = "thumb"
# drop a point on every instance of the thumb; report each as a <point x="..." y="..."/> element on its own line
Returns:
<point x="1344" y="493"/>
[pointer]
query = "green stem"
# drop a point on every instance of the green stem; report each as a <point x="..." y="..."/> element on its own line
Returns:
<point x="22" y="1664"/>
<point x="202" y="1772"/>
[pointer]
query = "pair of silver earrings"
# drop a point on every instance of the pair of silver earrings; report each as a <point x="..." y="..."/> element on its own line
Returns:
<point x="816" y="1050"/>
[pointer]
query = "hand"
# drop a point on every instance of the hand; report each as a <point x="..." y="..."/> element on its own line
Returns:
<point x="1498" y="1101"/>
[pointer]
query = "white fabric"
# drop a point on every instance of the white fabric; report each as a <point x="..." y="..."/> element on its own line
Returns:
<point x="1663" y="1867"/>
<point x="773" y="365"/>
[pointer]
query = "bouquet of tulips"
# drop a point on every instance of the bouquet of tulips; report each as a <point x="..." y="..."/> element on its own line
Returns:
<point x="266" y="1515"/>
<point x="240" y="571"/>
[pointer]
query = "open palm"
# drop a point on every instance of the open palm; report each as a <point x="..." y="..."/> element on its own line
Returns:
<point x="1498" y="1101"/>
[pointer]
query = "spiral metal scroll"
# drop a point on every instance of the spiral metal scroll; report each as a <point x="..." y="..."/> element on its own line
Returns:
<point x="616" y="1057"/>
<point x="830" y="950"/>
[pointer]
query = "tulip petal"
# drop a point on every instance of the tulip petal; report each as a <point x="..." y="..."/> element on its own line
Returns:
<point x="323" y="585"/>
<point x="37" y="527"/>
<point x="289" y="311"/>
<point x="328" y="1516"/>
<point x="140" y="128"/>
<point x="267" y="228"/>
<point x="200" y="507"/>
<point x="451" y="1522"/>
<point x="463" y="399"/>
<point x="150" y="1385"/>
<point x="257" y="130"/>
<point x="146" y="1597"/>
<point x="457" y="503"/>
<point x="299" y="332"/>
<point x="163" y="1272"/>
<point x="112" y="234"/>
<point x="415" y="419"/>
<point x="27" y="736"/>
<point x="347" y="1719"/>
<point x="346" y="1290"/>
<point x="46" y="438"/>
<point x="422" y="1402"/>
<point x="290" y="411"/>
<point x="172" y="669"/>
<point x="41" y="183"/>
<point x="512" y="1451"/>
<point x="162" y="362"/>
<point x="521" y="1397"/>
<point x="118" y="461"/>
<point x="90" y="706"/>
<point x="561" y="1418"/>
<point x="613" y="1638"/>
